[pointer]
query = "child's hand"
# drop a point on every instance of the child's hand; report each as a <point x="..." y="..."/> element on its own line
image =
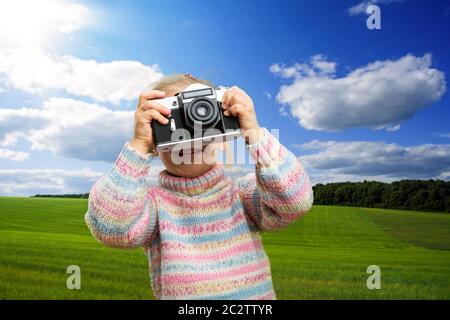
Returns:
<point x="237" y="102"/>
<point x="146" y="112"/>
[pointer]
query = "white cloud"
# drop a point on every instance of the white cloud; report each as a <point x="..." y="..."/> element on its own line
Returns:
<point x="380" y="95"/>
<point x="13" y="155"/>
<point x="320" y="63"/>
<point x="9" y="139"/>
<point x="362" y="6"/>
<point x="69" y="128"/>
<point x="30" y="23"/>
<point x="46" y="181"/>
<point x="34" y="71"/>
<point x="360" y="160"/>
<point x="318" y="66"/>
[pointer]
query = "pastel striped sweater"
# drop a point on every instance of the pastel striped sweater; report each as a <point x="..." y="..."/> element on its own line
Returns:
<point x="202" y="235"/>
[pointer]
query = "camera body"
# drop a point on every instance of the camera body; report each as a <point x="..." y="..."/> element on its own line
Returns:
<point x="196" y="118"/>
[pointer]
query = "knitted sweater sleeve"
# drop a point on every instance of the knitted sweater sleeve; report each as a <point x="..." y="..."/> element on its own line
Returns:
<point x="121" y="210"/>
<point x="279" y="191"/>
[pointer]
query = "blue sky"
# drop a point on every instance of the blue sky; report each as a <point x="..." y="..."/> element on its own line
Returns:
<point x="352" y="103"/>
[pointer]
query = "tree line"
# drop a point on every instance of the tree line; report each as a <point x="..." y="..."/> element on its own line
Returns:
<point x="81" y="195"/>
<point x="424" y="195"/>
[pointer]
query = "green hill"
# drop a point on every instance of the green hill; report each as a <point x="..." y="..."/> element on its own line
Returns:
<point x="322" y="256"/>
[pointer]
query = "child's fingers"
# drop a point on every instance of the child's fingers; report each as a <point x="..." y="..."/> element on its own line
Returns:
<point x="228" y="96"/>
<point x="153" y="94"/>
<point x="235" y="109"/>
<point x="148" y="105"/>
<point x="233" y="99"/>
<point x="150" y="95"/>
<point x="225" y="100"/>
<point x="153" y="114"/>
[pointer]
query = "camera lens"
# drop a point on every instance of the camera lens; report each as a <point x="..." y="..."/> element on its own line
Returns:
<point x="202" y="112"/>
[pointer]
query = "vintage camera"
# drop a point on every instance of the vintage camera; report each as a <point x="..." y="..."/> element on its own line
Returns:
<point x="196" y="118"/>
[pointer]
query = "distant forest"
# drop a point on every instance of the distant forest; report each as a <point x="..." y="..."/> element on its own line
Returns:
<point x="81" y="195"/>
<point x="423" y="195"/>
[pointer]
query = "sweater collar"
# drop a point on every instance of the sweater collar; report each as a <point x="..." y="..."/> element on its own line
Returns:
<point x="192" y="186"/>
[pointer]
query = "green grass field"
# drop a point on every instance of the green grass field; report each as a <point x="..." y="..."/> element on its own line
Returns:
<point x="322" y="256"/>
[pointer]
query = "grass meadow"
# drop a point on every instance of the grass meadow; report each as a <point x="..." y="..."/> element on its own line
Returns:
<point x="324" y="255"/>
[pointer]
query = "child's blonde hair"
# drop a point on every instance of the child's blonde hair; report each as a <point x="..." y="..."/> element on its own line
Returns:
<point x="172" y="82"/>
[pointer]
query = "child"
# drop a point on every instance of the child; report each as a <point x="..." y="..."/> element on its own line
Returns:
<point x="200" y="229"/>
